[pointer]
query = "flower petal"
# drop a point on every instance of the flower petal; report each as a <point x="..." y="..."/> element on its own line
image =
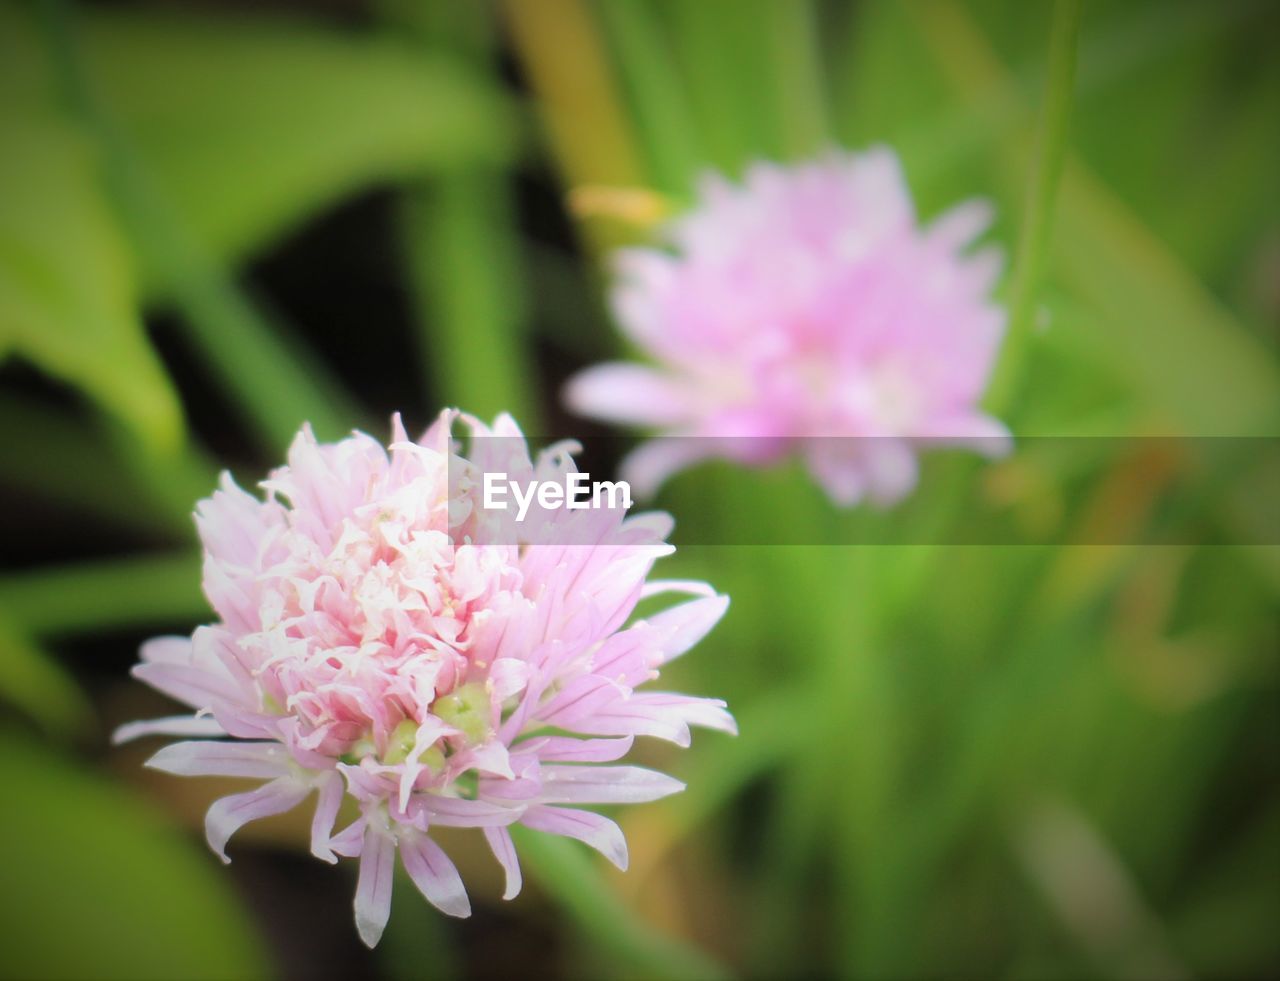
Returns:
<point x="373" y="887"/>
<point x="222" y="759"/>
<point x="166" y="650"/>
<point x="594" y="829"/>
<point x="579" y="699"/>
<point x="960" y="225"/>
<point x="605" y="785"/>
<point x="650" y="465"/>
<point x="171" y="725"/>
<point x="708" y="713"/>
<point x="457" y="812"/>
<point x="631" y="393"/>
<point x="691" y="587"/>
<point x="972" y="431"/>
<point x="684" y="625"/>
<point x="509" y="677"/>
<point x="328" y="800"/>
<point x="196" y="687"/>
<point x="349" y="842"/>
<point x="434" y="874"/>
<point x="227" y="815"/>
<point x="504" y="850"/>
<point x="568" y="749"/>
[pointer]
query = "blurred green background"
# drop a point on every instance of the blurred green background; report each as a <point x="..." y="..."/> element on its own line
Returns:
<point x="218" y="219"/>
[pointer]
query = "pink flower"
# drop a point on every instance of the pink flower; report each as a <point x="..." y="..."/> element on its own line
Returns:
<point x="806" y="311"/>
<point x="372" y="643"/>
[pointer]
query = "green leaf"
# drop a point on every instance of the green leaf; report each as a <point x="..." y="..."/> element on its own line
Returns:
<point x="279" y="383"/>
<point x="101" y="886"/>
<point x="1197" y="368"/>
<point x="1189" y="356"/>
<point x="650" y="80"/>
<point x="563" y="54"/>
<point x="67" y="286"/>
<point x="140" y="591"/>
<point x="1046" y="171"/>
<point x="45" y="453"/>
<point x="463" y="256"/>
<point x="35" y="683"/>
<point x="253" y="124"/>
<point x="793" y="31"/>
<point x="466" y="276"/>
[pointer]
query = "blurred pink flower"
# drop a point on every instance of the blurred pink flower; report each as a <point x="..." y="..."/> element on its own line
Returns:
<point x="372" y="643"/>
<point x="806" y="311"/>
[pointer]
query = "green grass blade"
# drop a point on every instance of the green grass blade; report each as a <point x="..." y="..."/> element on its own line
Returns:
<point x="704" y="36"/>
<point x="44" y="455"/>
<point x="464" y="264"/>
<point x="793" y="33"/>
<point x="278" y="383"/>
<point x="117" y="593"/>
<point x="565" y="871"/>
<point x="1197" y="368"/>
<point x="560" y="46"/>
<point x="464" y="256"/>
<point x="652" y="83"/>
<point x="1047" y="163"/>
<point x="33" y="681"/>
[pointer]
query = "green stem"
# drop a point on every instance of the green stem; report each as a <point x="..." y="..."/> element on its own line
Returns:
<point x="566" y="873"/>
<point x="857" y="686"/>
<point x="1046" y="172"/>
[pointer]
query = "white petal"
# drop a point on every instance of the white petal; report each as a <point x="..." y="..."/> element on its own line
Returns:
<point x="568" y="749"/>
<point x="492" y="758"/>
<point x="688" y="623"/>
<point x="605" y="785"/>
<point x="971" y="431"/>
<point x="222" y="759"/>
<point x="166" y="650"/>
<point x="693" y="587"/>
<point x="196" y="687"/>
<point x="428" y="734"/>
<point x="960" y="225"/>
<point x="631" y="393"/>
<point x="328" y="801"/>
<point x="227" y="815"/>
<point x="709" y="713"/>
<point x="892" y="470"/>
<point x="594" y="829"/>
<point x="350" y="840"/>
<point x="454" y="812"/>
<point x="504" y="850"/>
<point x="373" y="888"/>
<point x="648" y="466"/>
<point x="509" y="677"/>
<point x="579" y="699"/>
<point x="626" y="718"/>
<point x="171" y="725"/>
<point x="434" y="874"/>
